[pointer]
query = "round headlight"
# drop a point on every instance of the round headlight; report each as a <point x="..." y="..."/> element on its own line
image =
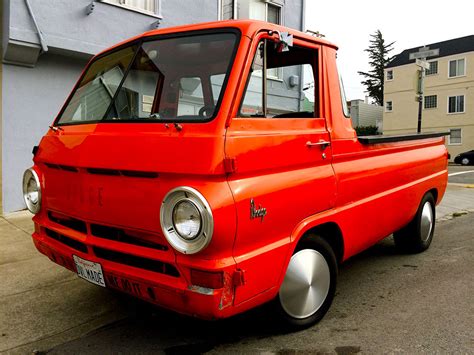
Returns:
<point x="32" y="191"/>
<point x="186" y="220"/>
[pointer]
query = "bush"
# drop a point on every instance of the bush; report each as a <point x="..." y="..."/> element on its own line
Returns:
<point x="367" y="130"/>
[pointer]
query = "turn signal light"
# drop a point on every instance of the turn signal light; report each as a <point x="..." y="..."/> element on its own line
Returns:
<point x="207" y="279"/>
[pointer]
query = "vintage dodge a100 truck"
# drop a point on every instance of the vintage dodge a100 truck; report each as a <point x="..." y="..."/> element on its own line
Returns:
<point x="213" y="168"/>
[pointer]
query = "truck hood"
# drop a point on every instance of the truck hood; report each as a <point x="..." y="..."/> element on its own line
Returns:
<point x="168" y="151"/>
<point x="122" y="177"/>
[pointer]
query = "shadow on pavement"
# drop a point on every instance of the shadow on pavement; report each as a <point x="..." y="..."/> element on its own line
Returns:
<point x="150" y="329"/>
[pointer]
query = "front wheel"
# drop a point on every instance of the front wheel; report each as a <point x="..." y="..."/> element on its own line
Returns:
<point x="416" y="237"/>
<point x="465" y="161"/>
<point x="309" y="285"/>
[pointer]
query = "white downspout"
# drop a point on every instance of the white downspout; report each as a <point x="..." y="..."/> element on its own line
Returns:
<point x="44" y="46"/>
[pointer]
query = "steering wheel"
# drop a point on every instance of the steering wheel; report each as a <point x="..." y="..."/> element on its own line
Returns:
<point x="206" y="111"/>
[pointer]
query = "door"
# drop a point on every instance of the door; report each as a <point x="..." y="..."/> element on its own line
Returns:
<point x="279" y="148"/>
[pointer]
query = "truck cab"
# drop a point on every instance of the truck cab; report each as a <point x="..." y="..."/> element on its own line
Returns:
<point x="212" y="168"/>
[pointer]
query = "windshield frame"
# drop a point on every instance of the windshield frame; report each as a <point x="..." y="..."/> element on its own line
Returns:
<point x="138" y="43"/>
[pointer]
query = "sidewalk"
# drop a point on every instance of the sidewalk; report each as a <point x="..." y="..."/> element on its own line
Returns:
<point x="458" y="199"/>
<point x="43" y="305"/>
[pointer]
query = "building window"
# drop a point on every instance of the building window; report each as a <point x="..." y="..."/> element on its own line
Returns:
<point x="388" y="106"/>
<point x="264" y="11"/>
<point x="456" y="104"/>
<point x="457" y="67"/>
<point x="227" y="9"/>
<point x="431" y="101"/>
<point x="433" y="68"/>
<point x="273" y="14"/>
<point x="150" y="6"/>
<point x="389" y="75"/>
<point x="455" y="136"/>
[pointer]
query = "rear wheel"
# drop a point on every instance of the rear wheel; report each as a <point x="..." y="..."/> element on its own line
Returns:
<point x="416" y="237"/>
<point x="465" y="161"/>
<point x="309" y="285"/>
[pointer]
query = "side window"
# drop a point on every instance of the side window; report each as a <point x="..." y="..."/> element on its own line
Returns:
<point x="216" y="86"/>
<point x="295" y="96"/>
<point x="191" y="99"/>
<point x="345" y="107"/>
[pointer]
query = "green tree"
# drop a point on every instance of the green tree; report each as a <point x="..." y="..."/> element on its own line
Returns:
<point x="378" y="59"/>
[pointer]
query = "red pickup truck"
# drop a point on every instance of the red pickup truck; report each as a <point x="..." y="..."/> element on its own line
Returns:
<point x="212" y="168"/>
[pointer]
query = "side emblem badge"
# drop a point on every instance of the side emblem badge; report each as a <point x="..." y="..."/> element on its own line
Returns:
<point x="259" y="212"/>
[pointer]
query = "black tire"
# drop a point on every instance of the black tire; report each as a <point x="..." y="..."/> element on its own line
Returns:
<point x="416" y="237"/>
<point x="465" y="161"/>
<point x="314" y="247"/>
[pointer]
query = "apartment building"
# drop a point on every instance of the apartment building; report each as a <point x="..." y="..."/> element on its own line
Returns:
<point x="448" y="103"/>
<point x="46" y="44"/>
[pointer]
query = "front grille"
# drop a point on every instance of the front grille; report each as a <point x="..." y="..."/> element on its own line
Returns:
<point x="127" y="173"/>
<point x="62" y="167"/>
<point x="104" y="171"/>
<point x="98" y="171"/>
<point x="72" y="243"/>
<point x="121" y="235"/>
<point x="127" y="237"/>
<point x="69" y="222"/>
<point x="136" y="261"/>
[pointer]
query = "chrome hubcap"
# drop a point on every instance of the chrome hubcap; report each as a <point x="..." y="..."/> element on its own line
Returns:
<point x="306" y="284"/>
<point x="426" y="221"/>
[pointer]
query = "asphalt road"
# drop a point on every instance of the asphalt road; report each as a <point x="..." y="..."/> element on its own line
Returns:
<point x="385" y="302"/>
<point x="460" y="174"/>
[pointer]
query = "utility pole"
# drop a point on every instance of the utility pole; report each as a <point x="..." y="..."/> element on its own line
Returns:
<point x="420" y="57"/>
<point x="421" y="82"/>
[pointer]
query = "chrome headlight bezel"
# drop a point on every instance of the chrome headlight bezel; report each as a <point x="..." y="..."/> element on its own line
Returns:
<point x="27" y="176"/>
<point x="181" y="243"/>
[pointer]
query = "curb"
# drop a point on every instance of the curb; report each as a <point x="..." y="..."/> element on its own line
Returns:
<point x="469" y="186"/>
<point x="454" y="215"/>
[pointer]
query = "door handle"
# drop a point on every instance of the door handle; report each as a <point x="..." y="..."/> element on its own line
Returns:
<point x="322" y="143"/>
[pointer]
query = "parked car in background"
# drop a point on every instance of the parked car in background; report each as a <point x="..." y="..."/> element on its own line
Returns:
<point x="466" y="158"/>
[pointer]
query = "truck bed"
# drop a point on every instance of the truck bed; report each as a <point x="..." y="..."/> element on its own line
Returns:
<point x="399" y="137"/>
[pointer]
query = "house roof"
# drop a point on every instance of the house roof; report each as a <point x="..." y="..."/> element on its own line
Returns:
<point x="450" y="47"/>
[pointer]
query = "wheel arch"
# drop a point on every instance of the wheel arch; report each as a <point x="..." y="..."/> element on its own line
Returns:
<point x="331" y="233"/>
<point x="434" y="192"/>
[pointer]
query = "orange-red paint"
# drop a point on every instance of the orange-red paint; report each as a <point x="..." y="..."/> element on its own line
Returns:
<point x="367" y="191"/>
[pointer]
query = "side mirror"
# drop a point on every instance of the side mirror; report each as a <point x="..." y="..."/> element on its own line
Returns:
<point x="286" y="41"/>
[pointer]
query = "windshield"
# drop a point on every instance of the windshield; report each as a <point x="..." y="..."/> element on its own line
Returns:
<point x="169" y="79"/>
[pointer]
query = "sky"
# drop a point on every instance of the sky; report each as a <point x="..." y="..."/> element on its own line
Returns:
<point x="349" y="24"/>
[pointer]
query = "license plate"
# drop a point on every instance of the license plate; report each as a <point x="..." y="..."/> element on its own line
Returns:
<point x="89" y="271"/>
